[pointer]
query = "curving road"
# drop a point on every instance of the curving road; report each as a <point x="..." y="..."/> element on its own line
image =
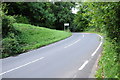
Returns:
<point x="74" y="57"/>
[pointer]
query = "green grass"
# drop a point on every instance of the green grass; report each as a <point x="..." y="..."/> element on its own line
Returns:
<point x="31" y="37"/>
<point x="35" y="37"/>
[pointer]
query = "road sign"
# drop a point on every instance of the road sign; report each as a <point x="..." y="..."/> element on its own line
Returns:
<point x="66" y="24"/>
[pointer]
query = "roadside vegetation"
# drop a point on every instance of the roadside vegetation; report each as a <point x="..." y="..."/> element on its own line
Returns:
<point x="22" y="25"/>
<point x="28" y="37"/>
<point x="20" y="36"/>
<point x="103" y="18"/>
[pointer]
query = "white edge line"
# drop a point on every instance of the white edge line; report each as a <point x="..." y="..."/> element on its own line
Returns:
<point x="21" y="66"/>
<point x="84" y="64"/>
<point x="100" y="36"/>
<point x="98" y="46"/>
<point x="97" y="49"/>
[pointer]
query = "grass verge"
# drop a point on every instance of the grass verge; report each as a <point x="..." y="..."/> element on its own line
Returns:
<point x="30" y="37"/>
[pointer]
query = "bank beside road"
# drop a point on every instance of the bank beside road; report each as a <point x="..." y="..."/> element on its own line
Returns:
<point x="26" y="37"/>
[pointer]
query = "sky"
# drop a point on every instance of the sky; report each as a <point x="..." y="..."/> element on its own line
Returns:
<point x="74" y="10"/>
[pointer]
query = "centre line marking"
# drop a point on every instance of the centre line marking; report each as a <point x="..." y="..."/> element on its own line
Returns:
<point x="83" y="35"/>
<point x="74" y="76"/>
<point x="84" y="64"/>
<point x="73" y="43"/>
<point x="21" y="66"/>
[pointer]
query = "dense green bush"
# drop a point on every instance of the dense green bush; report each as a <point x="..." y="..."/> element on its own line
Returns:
<point x="109" y="64"/>
<point x="10" y="47"/>
<point x="7" y="27"/>
<point x="81" y="23"/>
<point x="7" y="21"/>
<point x="81" y="20"/>
<point x="21" y="19"/>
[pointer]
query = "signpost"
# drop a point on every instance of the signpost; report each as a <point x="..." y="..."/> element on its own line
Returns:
<point x="66" y="25"/>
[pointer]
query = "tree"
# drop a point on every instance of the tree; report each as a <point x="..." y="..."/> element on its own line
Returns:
<point x="43" y="14"/>
<point x="63" y="13"/>
<point x="81" y="20"/>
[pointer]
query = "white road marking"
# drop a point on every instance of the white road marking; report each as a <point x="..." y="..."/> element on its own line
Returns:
<point x="83" y="35"/>
<point x="74" y="76"/>
<point x="97" y="47"/>
<point x="84" y="64"/>
<point x="21" y="66"/>
<point x="100" y="36"/>
<point x="73" y="43"/>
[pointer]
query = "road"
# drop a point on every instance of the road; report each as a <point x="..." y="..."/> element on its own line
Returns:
<point x="74" y="57"/>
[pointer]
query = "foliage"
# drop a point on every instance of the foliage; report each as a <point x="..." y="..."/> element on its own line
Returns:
<point x="80" y="23"/>
<point x="7" y="22"/>
<point x="43" y="14"/>
<point x="63" y="13"/>
<point x="105" y="18"/>
<point x="7" y="27"/>
<point x="109" y="66"/>
<point x="21" y="19"/>
<point x="10" y="47"/>
<point x="30" y="37"/>
<point x="19" y="38"/>
<point x="81" y="20"/>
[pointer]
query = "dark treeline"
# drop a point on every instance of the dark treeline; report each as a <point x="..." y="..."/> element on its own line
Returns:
<point x="51" y="15"/>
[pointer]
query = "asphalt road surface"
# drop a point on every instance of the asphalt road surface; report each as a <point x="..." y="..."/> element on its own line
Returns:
<point x="74" y="57"/>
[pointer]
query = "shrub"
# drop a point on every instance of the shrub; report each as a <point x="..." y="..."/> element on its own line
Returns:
<point x="109" y="64"/>
<point x="7" y="27"/>
<point x="21" y="19"/>
<point x="10" y="46"/>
